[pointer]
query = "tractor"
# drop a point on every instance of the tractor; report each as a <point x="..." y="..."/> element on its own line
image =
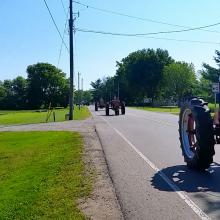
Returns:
<point x="115" y="105"/>
<point x="99" y="104"/>
<point x="198" y="132"/>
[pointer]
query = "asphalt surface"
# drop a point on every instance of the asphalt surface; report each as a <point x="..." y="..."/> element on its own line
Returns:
<point x="147" y="168"/>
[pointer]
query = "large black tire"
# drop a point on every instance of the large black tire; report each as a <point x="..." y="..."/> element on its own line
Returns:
<point x="96" y="106"/>
<point x="197" y="141"/>
<point x="107" y="109"/>
<point x="117" y="111"/>
<point x="123" y="108"/>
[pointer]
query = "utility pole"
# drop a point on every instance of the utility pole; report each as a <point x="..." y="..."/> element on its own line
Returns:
<point x="118" y="91"/>
<point x="82" y="97"/>
<point x="79" y="93"/>
<point x="71" y="98"/>
<point x="82" y="84"/>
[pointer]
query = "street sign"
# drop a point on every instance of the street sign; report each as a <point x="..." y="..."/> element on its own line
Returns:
<point x="215" y="87"/>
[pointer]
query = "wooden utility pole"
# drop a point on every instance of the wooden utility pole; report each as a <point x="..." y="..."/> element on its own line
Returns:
<point x="79" y="93"/>
<point x="118" y="92"/>
<point x="71" y="96"/>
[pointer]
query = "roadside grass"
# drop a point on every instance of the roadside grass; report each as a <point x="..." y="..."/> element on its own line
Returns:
<point x="42" y="175"/>
<point x="168" y="109"/>
<point x="212" y="106"/>
<point x="28" y="117"/>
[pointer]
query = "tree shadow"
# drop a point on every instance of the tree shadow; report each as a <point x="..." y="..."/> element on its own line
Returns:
<point x="205" y="185"/>
<point x="189" y="180"/>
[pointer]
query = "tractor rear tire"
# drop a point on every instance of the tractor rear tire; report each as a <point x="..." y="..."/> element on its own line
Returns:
<point x="96" y="106"/>
<point x="107" y="109"/>
<point x="196" y="134"/>
<point x="123" y="109"/>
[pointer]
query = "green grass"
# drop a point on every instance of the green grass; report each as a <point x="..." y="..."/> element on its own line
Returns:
<point x="173" y="110"/>
<point x="28" y="117"/>
<point x="42" y="175"/>
<point x="212" y="106"/>
<point x="170" y="109"/>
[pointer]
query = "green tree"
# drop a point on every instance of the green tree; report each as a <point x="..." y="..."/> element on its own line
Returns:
<point x="19" y="88"/>
<point x="142" y="71"/>
<point x="46" y="84"/>
<point x="13" y="93"/>
<point x="210" y="73"/>
<point x="109" y="88"/>
<point x="82" y="97"/>
<point x="9" y="99"/>
<point x="179" y="80"/>
<point x="87" y="97"/>
<point x="2" y="96"/>
<point x="97" y="89"/>
<point x="106" y="88"/>
<point x="204" y="90"/>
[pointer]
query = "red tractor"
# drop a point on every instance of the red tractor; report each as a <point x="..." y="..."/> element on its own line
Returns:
<point x="99" y="104"/>
<point x="199" y="132"/>
<point x="115" y="105"/>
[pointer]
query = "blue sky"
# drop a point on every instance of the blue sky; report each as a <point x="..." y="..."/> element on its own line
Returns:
<point x="28" y="35"/>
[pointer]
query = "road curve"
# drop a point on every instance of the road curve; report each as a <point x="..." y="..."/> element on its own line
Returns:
<point x="147" y="168"/>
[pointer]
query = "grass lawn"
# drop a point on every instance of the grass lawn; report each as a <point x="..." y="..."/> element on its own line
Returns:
<point x="42" y="175"/>
<point x="28" y="117"/>
<point x="173" y="110"/>
<point x="169" y="109"/>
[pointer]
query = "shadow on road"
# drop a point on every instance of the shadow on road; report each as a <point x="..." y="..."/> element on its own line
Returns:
<point x="189" y="180"/>
<point x="206" y="184"/>
<point x="110" y="115"/>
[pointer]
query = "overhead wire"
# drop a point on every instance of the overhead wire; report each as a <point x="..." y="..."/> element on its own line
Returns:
<point x="184" y="40"/>
<point x="61" y="47"/>
<point x="64" y="9"/>
<point x="54" y="22"/>
<point x="144" y="36"/>
<point x="155" y="33"/>
<point x="65" y="26"/>
<point x="148" y="20"/>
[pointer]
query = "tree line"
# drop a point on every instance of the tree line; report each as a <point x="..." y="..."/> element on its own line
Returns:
<point x="153" y="76"/>
<point x="144" y="76"/>
<point x="45" y="85"/>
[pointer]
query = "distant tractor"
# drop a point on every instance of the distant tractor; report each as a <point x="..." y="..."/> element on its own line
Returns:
<point x="99" y="104"/>
<point x="115" y="105"/>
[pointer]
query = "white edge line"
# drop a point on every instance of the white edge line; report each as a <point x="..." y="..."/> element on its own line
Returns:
<point x="175" y="188"/>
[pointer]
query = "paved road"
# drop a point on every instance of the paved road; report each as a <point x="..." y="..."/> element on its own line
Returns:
<point x="145" y="162"/>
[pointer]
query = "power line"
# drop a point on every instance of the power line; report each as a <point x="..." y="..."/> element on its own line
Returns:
<point x="145" y="19"/>
<point x="55" y="24"/>
<point x="182" y="40"/>
<point x="144" y="36"/>
<point x="61" y="47"/>
<point x="64" y="9"/>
